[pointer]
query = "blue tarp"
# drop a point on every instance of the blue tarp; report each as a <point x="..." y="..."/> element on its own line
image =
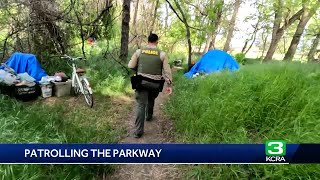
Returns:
<point x="28" y="63"/>
<point x="214" y="60"/>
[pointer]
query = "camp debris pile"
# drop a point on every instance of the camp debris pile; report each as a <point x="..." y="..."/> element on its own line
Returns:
<point x="22" y="77"/>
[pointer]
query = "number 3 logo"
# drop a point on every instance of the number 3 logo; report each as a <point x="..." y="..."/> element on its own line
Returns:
<point x="276" y="148"/>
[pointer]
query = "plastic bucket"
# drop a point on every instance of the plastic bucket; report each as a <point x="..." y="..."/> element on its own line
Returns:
<point x="46" y="90"/>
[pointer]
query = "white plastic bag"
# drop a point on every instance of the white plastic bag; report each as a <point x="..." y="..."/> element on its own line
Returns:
<point x="7" y="78"/>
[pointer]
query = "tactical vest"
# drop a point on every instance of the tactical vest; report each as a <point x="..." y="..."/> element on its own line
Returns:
<point x="150" y="62"/>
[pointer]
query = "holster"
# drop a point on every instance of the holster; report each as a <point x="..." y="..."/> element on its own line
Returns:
<point x="139" y="82"/>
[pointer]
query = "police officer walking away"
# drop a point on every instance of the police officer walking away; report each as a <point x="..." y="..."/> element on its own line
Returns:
<point x="153" y="70"/>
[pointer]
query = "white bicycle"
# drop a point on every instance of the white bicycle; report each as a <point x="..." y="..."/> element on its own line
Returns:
<point x="80" y="83"/>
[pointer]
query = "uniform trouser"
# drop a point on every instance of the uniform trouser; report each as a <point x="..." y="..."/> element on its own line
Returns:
<point x="145" y="100"/>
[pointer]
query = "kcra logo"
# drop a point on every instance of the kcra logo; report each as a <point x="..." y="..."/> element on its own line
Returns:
<point x="275" y="159"/>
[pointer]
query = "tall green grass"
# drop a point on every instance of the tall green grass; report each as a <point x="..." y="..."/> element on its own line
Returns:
<point x="256" y="103"/>
<point x="63" y="121"/>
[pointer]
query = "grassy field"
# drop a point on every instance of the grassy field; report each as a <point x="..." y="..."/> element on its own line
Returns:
<point x="256" y="103"/>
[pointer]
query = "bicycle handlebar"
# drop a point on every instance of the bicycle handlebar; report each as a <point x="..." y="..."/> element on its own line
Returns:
<point x="72" y="58"/>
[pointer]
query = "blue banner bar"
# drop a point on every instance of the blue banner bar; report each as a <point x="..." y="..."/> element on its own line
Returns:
<point x="157" y="153"/>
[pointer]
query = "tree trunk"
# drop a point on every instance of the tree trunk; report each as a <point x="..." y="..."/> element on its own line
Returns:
<point x="206" y="47"/>
<point x="297" y="35"/>
<point x="264" y="38"/>
<point x="81" y="33"/>
<point x="125" y="30"/>
<point x="284" y="45"/>
<point x="314" y="47"/>
<point x="134" y="24"/>
<point x="275" y="34"/>
<point x="252" y="42"/>
<point x="154" y="16"/>
<point x="188" y="35"/>
<point x="244" y="51"/>
<point x="252" y="38"/>
<point x="278" y="31"/>
<point x="199" y="49"/>
<point x="166" y="25"/>
<point x="245" y="45"/>
<point x="217" y="22"/>
<point x="213" y="41"/>
<point x="135" y="15"/>
<point x="273" y="46"/>
<point x="189" y="48"/>
<point x="232" y="25"/>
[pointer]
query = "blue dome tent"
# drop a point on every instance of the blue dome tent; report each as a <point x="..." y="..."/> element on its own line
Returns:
<point x="212" y="61"/>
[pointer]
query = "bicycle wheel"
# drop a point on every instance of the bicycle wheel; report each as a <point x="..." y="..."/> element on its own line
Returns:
<point x="86" y="93"/>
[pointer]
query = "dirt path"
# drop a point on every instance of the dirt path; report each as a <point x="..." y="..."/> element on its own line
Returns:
<point x="156" y="131"/>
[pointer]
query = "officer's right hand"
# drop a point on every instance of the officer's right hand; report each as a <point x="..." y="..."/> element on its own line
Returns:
<point x="169" y="90"/>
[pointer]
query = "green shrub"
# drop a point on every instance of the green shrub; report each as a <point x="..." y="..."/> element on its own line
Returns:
<point x="177" y="56"/>
<point x="256" y="103"/>
<point x="241" y="58"/>
<point x="55" y="64"/>
<point x="107" y="76"/>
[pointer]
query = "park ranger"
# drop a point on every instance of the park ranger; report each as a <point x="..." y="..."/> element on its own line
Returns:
<point x="152" y="69"/>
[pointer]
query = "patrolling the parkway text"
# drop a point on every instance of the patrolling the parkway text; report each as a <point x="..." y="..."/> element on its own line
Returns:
<point x="94" y="153"/>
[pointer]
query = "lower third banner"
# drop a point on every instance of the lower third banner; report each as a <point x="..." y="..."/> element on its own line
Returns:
<point x="274" y="151"/>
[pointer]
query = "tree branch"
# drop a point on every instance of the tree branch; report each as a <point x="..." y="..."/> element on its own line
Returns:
<point x="175" y="12"/>
<point x="172" y="8"/>
<point x="292" y="19"/>
<point x="6" y="41"/>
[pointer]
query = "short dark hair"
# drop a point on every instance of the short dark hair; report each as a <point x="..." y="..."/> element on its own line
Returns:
<point x="153" y="38"/>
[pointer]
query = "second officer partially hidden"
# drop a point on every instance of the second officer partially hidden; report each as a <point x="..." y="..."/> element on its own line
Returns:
<point x="153" y="71"/>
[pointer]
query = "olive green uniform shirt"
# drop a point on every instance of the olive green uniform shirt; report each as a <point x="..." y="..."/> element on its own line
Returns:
<point x="166" y="70"/>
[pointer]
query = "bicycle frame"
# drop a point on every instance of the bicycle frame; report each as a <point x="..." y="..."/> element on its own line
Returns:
<point x="77" y="79"/>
